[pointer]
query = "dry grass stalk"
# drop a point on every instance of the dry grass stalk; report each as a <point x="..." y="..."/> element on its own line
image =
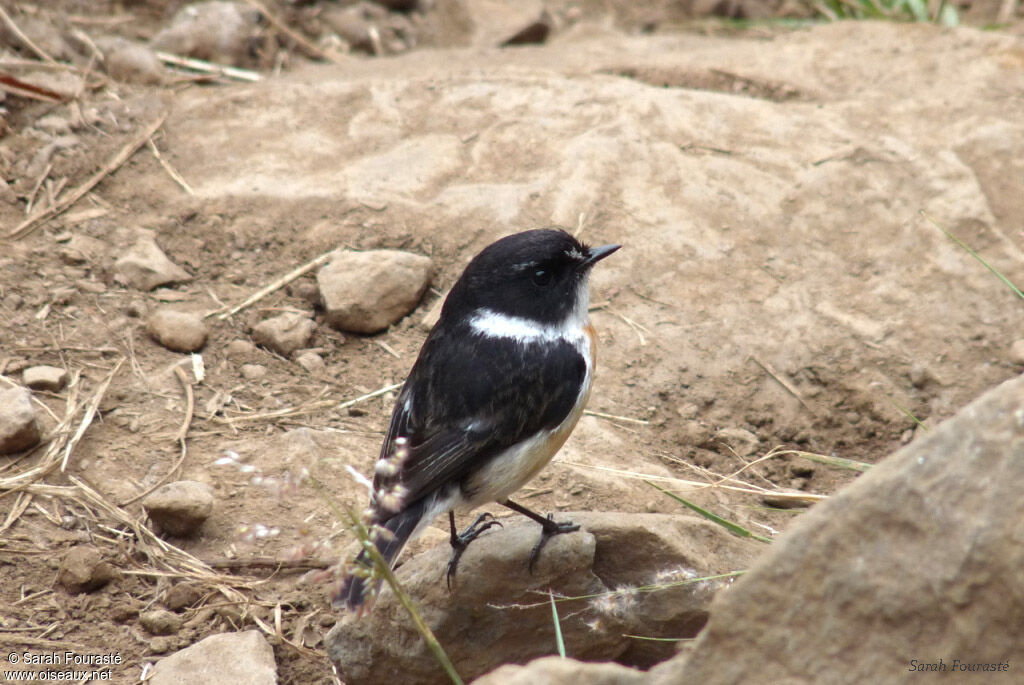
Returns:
<point x="171" y="171"/>
<point x="112" y="165"/>
<point x="6" y="18"/>
<point x="204" y="67"/>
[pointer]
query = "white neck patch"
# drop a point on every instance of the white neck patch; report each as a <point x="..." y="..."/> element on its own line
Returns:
<point x="494" y="324"/>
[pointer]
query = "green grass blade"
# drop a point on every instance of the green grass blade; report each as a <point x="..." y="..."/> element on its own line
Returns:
<point x="558" y="626"/>
<point x="714" y="518"/>
<point x="974" y="254"/>
<point x="908" y="413"/>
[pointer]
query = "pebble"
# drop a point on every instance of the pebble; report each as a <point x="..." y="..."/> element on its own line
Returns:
<point x="132" y="62"/>
<point x="241" y="351"/>
<point x="1017" y="352"/>
<point x="253" y="372"/>
<point x="51" y="378"/>
<point x="285" y="333"/>
<point x="216" y="31"/>
<point x="177" y="330"/>
<point x="311" y="362"/>
<point x="182" y="596"/>
<point x="18" y="427"/>
<point x="160" y="622"/>
<point x="83" y="570"/>
<point x="742" y="441"/>
<point x="180" y="508"/>
<point x="145" y="266"/>
<point x="365" y="292"/>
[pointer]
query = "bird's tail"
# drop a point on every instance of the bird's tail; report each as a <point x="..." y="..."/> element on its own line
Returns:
<point x="401" y="526"/>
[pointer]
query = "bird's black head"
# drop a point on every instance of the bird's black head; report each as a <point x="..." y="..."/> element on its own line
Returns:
<point x="539" y="275"/>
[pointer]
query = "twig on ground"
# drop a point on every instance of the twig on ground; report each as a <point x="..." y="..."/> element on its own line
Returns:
<point x="271" y="287"/>
<point x="115" y="162"/>
<point x="308" y="47"/>
<point x="6" y="18"/>
<point x="786" y="385"/>
<point x="205" y="67"/>
<point x="171" y="171"/>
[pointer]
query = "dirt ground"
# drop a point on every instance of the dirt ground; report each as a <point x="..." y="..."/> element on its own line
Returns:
<point x="697" y="412"/>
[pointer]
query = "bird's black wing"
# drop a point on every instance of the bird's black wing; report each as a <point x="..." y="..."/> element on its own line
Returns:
<point x="468" y="397"/>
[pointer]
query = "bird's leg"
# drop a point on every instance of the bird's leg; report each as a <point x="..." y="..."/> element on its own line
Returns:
<point x="549" y="528"/>
<point x="460" y="541"/>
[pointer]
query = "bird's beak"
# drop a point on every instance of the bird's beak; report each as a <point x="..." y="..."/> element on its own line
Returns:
<point x="596" y="254"/>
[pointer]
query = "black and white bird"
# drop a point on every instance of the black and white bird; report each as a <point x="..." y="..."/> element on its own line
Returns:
<point x="498" y="386"/>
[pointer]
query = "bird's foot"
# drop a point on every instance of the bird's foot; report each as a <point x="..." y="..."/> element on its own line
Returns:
<point x="550" y="528"/>
<point x="461" y="541"/>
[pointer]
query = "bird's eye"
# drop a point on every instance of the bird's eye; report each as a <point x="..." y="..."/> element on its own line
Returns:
<point x="542" y="277"/>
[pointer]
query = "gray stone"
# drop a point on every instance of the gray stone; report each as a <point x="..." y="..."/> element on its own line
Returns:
<point x="83" y="570"/>
<point x="739" y="440"/>
<point x="216" y="31"/>
<point x="613" y="555"/>
<point x="182" y="596"/>
<point x="51" y="378"/>
<point x="180" y="508"/>
<point x="285" y="333"/>
<point x="160" y="622"/>
<point x="365" y="292"/>
<point x="242" y="351"/>
<point x="554" y="670"/>
<point x="18" y="427"/>
<point x="145" y="266"/>
<point x="244" y="658"/>
<point x="1017" y="352"/>
<point x="253" y="372"/>
<point x="919" y="559"/>
<point x="311" y="362"/>
<point x="178" y="331"/>
<point x="132" y="62"/>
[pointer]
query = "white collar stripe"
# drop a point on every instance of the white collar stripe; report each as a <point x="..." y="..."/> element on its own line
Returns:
<point x="493" y="324"/>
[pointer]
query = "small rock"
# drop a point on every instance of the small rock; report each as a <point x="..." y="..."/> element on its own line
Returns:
<point x="284" y="334"/>
<point x="180" y="508"/>
<point x="365" y="292"/>
<point x="534" y="33"/>
<point x="161" y="645"/>
<point x="241" y="351"/>
<point x="253" y="372"/>
<point x="1017" y="352"/>
<point x="160" y="622"/>
<point x="224" y="32"/>
<point x="51" y="378"/>
<point x="311" y="362"/>
<point x="84" y="570"/>
<point x="741" y="441"/>
<point x="182" y="596"/>
<point x="308" y="291"/>
<point x="244" y="658"/>
<point x="920" y="376"/>
<point x="18" y="427"/>
<point x="132" y="62"/>
<point x="145" y="266"/>
<point x="81" y="249"/>
<point x="177" y="330"/>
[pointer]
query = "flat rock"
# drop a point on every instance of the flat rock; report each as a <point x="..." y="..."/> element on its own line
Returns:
<point x="50" y="378"/>
<point x="365" y="292"/>
<point x="177" y="330"/>
<point x="180" y="508"/>
<point x="83" y="570"/>
<point x="916" y="561"/>
<point x="554" y="670"/>
<point x="244" y="658"/>
<point x="613" y="554"/>
<point x="145" y="266"/>
<point x="18" y="427"/>
<point x="253" y="372"/>
<point x="284" y="333"/>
